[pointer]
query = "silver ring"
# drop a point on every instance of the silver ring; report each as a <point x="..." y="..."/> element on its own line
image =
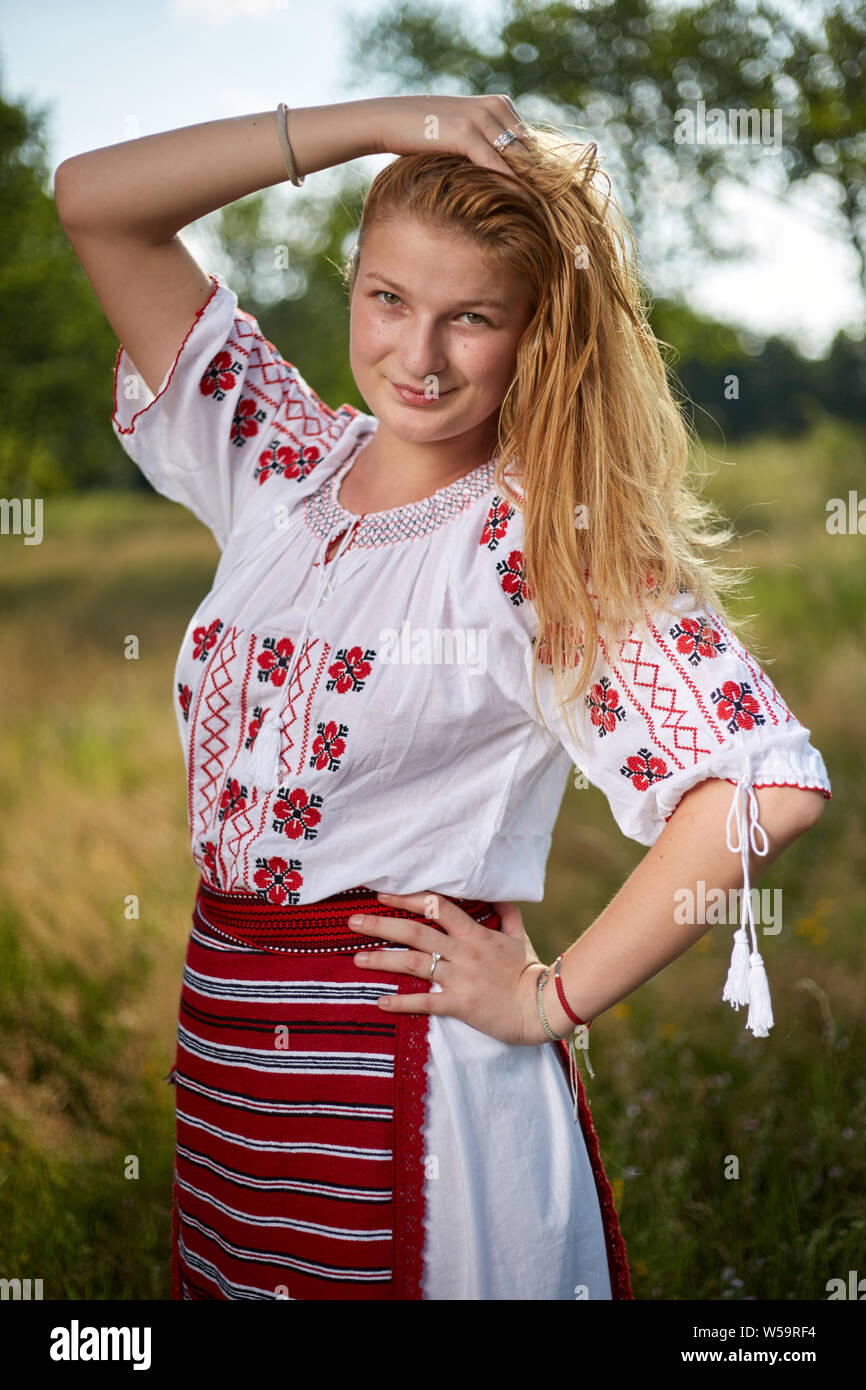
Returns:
<point x="504" y="139"/>
<point x="437" y="956"/>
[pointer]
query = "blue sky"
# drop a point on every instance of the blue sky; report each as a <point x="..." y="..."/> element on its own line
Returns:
<point x="108" y="71"/>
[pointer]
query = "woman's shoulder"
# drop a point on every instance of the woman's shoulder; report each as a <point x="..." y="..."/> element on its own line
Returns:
<point x="233" y="423"/>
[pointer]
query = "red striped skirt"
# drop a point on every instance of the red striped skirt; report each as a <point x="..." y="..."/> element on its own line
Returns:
<point x="299" y="1162"/>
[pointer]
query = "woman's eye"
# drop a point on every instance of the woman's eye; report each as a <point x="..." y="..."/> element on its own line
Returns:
<point x="468" y="313"/>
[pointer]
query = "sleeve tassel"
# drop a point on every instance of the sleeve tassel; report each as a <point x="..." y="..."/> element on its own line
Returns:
<point x="747" y="978"/>
<point x="263" y="768"/>
<point x="572" y="1065"/>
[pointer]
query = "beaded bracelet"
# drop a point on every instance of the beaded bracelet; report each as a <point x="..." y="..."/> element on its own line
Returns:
<point x="283" y="129"/>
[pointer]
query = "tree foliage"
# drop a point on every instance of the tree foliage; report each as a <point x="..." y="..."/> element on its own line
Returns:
<point x="620" y="69"/>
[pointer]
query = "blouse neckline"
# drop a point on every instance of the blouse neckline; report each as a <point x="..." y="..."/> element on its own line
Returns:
<point x="323" y="512"/>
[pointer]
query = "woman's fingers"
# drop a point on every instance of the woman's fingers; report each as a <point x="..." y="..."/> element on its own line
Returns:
<point x="486" y="127"/>
<point x="416" y="1003"/>
<point x="511" y="919"/>
<point x="402" y="963"/>
<point x="504" y="110"/>
<point x="435" y="907"/>
<point x="457" y="125"/>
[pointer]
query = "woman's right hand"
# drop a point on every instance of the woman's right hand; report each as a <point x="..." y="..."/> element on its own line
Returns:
<point x="448" y="125"/>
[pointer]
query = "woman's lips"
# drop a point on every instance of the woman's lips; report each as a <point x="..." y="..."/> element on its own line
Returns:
<point x="410" y="397"/>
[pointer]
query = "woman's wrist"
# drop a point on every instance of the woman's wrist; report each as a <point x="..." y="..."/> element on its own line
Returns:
<point x="556" y="1019"/>
<point x="325" y="136"/>
<point x="553" y="1010"/>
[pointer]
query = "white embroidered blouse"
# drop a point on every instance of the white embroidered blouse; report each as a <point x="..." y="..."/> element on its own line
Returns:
<point x="369" y="720"/>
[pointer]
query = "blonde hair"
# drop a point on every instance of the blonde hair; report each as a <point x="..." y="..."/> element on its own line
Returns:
<point x="590" y="417"/>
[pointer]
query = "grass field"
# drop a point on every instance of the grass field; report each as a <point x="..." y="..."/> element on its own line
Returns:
<point x="96" y="888"/>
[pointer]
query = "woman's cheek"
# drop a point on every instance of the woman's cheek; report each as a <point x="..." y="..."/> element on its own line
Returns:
<point x="490" y="368"/>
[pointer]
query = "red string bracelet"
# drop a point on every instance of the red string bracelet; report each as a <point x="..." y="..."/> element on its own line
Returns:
<point x="562" y="999"/>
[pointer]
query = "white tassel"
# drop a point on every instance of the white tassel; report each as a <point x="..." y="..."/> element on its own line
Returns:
<point x="747" y="981"/>
<point x="760" y="1018"/>
<point x="736" y="991"/>
<point x="263" y="768"/>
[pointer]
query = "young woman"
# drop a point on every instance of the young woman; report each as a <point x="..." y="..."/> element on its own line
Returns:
<point x="404" y="600"/>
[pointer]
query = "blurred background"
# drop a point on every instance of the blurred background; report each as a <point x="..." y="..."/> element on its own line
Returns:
<point x="756" y="257"/>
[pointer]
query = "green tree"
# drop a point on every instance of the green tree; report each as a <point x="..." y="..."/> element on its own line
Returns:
<point x="619" y="72"/>
<point x="57" y="351"/>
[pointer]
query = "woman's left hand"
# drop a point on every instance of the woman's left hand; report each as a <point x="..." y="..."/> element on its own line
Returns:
<point x="487" y="978"/>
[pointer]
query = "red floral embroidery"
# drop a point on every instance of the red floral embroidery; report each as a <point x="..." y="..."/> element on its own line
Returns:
<point x="274" y="662"/>
<point x="246" y="421"/>
<point x="296" y="813"/>
<point x="329" y="746"/>
<point x="350" y="670"/>
<point x="254" y="725"/>
<point x="497" y="523"/>
<point x="644" y="768"/>
<point x="204" y="640"/>
<point x="604" y="706"/>
<point x="207" y="849"/>
<point x="221" y="376"/>
<point x="185" y="695"/>
<point x="737" y="705"/>
<point x="513" y="579"/>
<point x="697" y="638"/>
<point x="234" y="798"/>
<point x="278" y="880"/>
<point x="291" y="463"/>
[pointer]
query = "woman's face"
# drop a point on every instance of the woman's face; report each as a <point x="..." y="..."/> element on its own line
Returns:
<point x="429" y="312"/>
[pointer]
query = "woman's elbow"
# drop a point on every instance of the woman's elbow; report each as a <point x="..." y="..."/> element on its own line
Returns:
<point x="804" y="807"/>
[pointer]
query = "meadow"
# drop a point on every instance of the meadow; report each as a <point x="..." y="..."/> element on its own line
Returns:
<point x="92" y="815"/>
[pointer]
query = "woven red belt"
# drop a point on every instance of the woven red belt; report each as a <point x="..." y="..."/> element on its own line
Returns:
<point x="313" y="928"/>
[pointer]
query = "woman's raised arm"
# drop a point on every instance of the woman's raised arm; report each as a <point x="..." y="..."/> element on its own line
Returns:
<point x="122" y="206"/>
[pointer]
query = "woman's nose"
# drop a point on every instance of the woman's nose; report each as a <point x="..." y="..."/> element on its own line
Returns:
<point x="420" y="352"/>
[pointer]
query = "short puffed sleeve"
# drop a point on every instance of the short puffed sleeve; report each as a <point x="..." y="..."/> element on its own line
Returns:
<point x="230" y="415"/>
<point x="678" y="701"/>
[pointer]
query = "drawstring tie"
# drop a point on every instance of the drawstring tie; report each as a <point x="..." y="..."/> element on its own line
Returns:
<point x="263" y="768"/>
<point x="747" y="978"/>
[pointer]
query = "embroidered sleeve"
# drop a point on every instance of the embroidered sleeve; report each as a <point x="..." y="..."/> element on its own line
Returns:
<point x="231" y="420"/>
<point x="679" y="701"/>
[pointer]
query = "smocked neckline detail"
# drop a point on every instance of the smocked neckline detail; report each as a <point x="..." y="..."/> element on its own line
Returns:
<point x="323" y="512"/>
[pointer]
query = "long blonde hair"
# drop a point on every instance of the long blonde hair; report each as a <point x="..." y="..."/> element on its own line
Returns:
<point x="590" y="419"/>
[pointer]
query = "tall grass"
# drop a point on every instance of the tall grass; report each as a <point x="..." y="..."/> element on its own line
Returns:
<point x="92" y="819"/>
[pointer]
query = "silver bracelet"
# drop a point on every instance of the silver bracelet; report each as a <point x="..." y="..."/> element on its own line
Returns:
<point x="554" y="1037"/>
<point x="283" y="129"/>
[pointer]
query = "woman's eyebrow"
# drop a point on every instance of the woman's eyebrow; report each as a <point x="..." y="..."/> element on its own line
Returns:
<point x="481" y="299"/>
